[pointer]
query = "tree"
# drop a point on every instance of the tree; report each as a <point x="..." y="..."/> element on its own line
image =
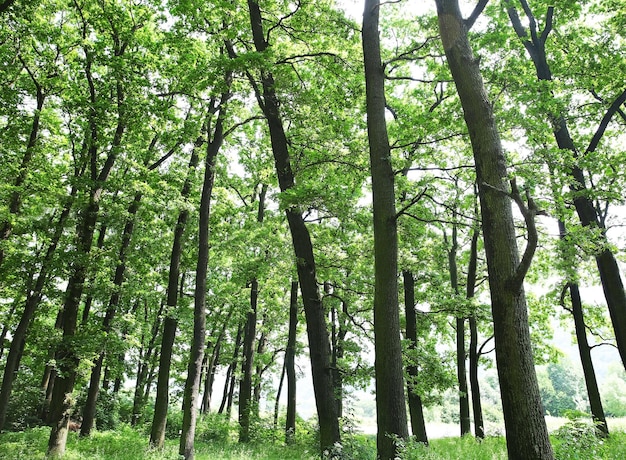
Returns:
<point x="319" y="344"/>
<point x="527" y="435"/>
<point x="390" y="402"/>
<point x="610" y="277"/>
<point x="416" y="411"/>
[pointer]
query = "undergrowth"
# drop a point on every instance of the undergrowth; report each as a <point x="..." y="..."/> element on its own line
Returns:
<point x="575" y="440"/>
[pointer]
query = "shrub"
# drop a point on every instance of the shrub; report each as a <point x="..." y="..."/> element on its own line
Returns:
<point x="577" y="439"/>
<point x="213" y="427"/>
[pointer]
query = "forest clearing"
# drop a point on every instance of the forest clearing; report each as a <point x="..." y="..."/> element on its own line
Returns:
<point x="407" y="214"/>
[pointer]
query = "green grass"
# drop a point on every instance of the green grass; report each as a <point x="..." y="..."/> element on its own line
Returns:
<point x="129" y="444"/>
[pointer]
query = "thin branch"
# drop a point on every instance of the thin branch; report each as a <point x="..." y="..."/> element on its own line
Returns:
<point x="547" y="28"/>
<point x="413" y="201"/>
<point x="299" y="57"/>
<point x="480" y="350"/>
<point x="529" y="212"/>
<point x="615" y="106"/>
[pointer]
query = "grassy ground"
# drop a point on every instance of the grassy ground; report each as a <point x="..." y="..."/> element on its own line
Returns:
<point x="128" y="444"/>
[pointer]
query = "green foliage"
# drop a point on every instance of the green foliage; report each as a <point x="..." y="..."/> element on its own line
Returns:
<point x="578" y="439"/>
<point x="573" y="441"/>
<point x="562" y="388"/>
<point x="613" y="392"/>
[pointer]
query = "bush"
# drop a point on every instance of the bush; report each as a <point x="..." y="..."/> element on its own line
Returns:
<point x="577" y="439"/>
<point x="24" y="406"/>
<point x="213" y="427"/>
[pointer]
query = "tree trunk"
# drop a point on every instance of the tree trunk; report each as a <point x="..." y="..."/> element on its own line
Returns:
<point x="229" y="380"/>
<point x="390" y="402"/>
<point x="194" y="370"/>
<point x="258" y="384"/>
<point x="159" y="420"/>
<point x="62" y="397"/>
<point x="416" y="411"/>
<point x="6" y="229"/>
<point x="319" y="343"/>
<point x="32" y="302"/>
<point x="89" y="411"/>
<point x="245" y="386"/>
<point x="464" y="410"/>
<point x="479" y="427"/>
<point x="595" y="402"/>
<point x="610" y="275"/>
<point x="290" y="365"/>
<point x="527" y="435"/>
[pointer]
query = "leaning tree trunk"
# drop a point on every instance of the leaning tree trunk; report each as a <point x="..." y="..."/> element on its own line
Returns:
<point x="32" y="302"/>
<point x="6" y="227"/>
<point x="526" y="432"/>
<point x="62" y="397"/>
<point x="610" y="275"/>
<point x="390" y="402"/>
<point x="416" y="410"/>
<point x="319" y="342"/>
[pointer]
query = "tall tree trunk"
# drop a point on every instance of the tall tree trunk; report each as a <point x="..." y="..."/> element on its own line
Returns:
<point x="584" y="350"/>
<point x="610" y="275"/>
<point x="479" y="427"/>
<point x="390" y="402"/>
<point x="319" y="343"/>
<point x="526" y="432"/>
<point x="159" y="420"/>
<point x="245" y="386"/>
<point x="32" y="302"/>
<point x="290" y="365"/>
<point x="89" y="411"/>
<point x="194" y="370"/>
<point x="464" y="410"/>
<point x="62" y="398"/>
<point x="416" y="410"/>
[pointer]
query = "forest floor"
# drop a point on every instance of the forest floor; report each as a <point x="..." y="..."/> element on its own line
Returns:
<point x="129" y="444"/>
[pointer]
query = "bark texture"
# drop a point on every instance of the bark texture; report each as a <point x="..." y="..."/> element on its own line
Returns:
<point x="390" y="401"/>
<point x="416" y="409"/>
<point x="317" y="332"/>
<point x="526" y="432"/>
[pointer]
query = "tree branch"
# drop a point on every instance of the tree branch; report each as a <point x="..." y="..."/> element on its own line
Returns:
<point x="529" y="212"/>
<point x="547" y="28"/>
<point x="480" y="6"/>
<point x="414" y="200"/>
<point x="614" y="107"/>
